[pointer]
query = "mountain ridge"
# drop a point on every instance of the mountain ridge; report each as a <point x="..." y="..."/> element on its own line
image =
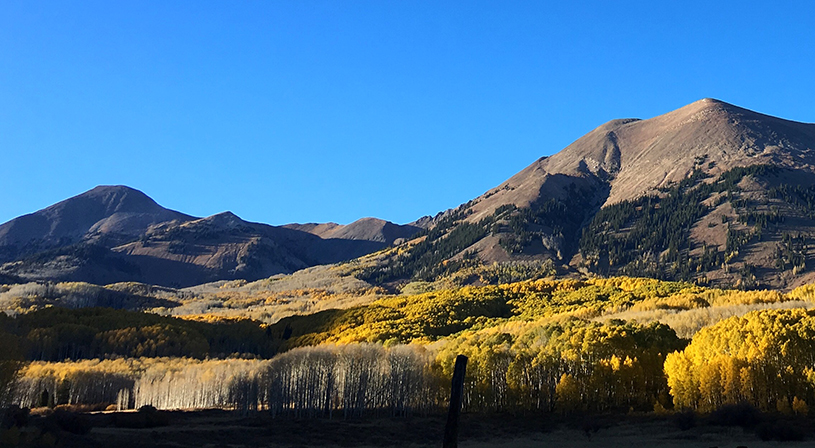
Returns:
<point x="722" y="188"/>
<point x="117" y="233"/>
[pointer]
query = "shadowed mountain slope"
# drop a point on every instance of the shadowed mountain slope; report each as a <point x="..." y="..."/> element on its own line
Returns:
<point x="115" y="233"/>
<point x="103" y="211"/>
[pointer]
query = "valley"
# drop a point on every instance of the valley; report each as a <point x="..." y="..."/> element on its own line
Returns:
<point x="656" y="271"/>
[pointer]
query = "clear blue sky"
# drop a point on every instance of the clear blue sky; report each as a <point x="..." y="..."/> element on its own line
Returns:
<point x="312" y="111"/>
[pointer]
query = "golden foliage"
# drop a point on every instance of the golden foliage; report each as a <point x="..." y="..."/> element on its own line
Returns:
<point x="543" y="344"/>
<point x="764" y="358"/>
<point x="435" y="314"/>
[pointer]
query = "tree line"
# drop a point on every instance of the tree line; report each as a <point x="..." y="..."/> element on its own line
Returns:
<point x="565" y="366"/>
<point x="56" y="334"/>
<point x="537" y="345"/>
<point x="765" y="358"/>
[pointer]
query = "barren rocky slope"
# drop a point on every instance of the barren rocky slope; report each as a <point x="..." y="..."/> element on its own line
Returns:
<point x="116" y="233"/>
<point x="635" y="157"/>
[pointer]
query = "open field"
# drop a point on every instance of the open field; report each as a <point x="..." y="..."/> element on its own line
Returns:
<point x="230" y="429"/>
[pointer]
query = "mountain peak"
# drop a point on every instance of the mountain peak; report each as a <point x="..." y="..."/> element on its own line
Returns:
<point x="707" y="134"/>
<point x="634" y="157"/>
<point x="704" y="105"/>
<point x="711" y="102"/>
<point x="552" y="208"/>
<point x="363" y="229"/>
<point x="225" y="215"/>
<point x="225" y="219"/>
<point x="118" y="198"/>
<point x="105" y="209"/>
<point x="112" y="188"/>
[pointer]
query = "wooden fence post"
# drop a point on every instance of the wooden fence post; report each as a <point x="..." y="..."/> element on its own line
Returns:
<point x="456" y="392"/>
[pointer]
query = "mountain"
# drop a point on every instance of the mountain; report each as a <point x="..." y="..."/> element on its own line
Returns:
<point x="116" y="233"/>
<point x="710" y="192"/>
<point x="365" y="229"/>
<point x="105" y="211"/>
<point x="634" y="157"/>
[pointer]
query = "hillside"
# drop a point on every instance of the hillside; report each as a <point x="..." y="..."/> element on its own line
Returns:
<point x="677" y="175"/>
<point x="546" y="345"/>
<point x="115" y="233"/>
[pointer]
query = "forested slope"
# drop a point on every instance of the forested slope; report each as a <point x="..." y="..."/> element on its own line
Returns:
<point x="544" y="345"/>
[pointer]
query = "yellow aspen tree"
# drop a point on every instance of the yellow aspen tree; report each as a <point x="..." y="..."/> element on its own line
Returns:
<point x="568" y="394"/>
<point x="799" y="406"/>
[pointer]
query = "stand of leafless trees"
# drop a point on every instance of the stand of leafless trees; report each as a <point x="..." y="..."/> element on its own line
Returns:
<point x="89" y="387"/>
<point x="343" y="380"/>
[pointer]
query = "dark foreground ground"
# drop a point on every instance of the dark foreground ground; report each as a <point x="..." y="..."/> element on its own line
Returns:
<point x="229" y="429"/>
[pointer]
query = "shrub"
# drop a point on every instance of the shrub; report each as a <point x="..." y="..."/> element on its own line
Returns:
<point x="148" y="409"/>
<point x="685" y="420"/>
<point x="781" y="430"/>
<point x="14" y="416"/>
<point x="742" y="414"/>
<point x="147" y="417"/>
<point x="70" y="422"/>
